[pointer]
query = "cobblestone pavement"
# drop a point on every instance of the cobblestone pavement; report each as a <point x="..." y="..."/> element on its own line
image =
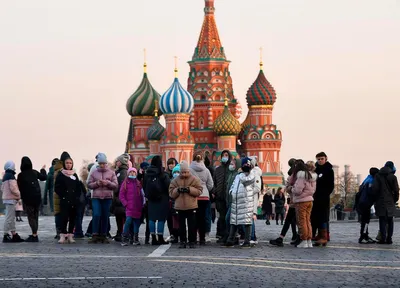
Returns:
<point x="344" y="263"/>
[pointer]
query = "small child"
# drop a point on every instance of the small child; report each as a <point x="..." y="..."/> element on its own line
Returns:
<point x="132" y="197"/>
<point x="18" y="211"/>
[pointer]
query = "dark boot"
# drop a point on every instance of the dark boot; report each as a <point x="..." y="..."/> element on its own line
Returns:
<point x="296" y="240"/>
<point x="7" y="238"/>
<point x="117" y="238"/>
<point x="154" y="240"/>
<point x="267" y="222"/>
<point x="277" y="242"/>
<point x="182" y="245"/>
<point x="17" y="239"/>
<point x="161" y="240"/>
<point x="136" y="239"/>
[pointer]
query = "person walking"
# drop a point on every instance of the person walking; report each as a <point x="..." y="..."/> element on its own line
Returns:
<point x="31" y="194"/>
<point x="156" y="183"/>
<point x="11" y="196"/>
<point x="103" y="182"/>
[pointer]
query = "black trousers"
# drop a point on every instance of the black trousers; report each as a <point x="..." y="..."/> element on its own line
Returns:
<point x="68" y="218"/>
<point x="280" y="215"/>
<point x="120" y="219"/>
<point x="190" y="216"/>
<point x="33" y="217"/>
<point x="290" y="221"/>
<point x="234" y="228"/>
<point x="221" y="223"/>
<point x="201" y="219"/>
<point x="384" y="222"/>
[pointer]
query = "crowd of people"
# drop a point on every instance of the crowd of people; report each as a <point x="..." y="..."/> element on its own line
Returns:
<point x="181" y="195"/>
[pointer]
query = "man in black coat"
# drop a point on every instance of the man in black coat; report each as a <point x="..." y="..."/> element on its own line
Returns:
<point x="219" y="192"/>
<point x="321" y="205"/>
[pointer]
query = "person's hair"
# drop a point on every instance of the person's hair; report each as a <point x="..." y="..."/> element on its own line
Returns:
<point x="171" y="161"/>
<point x="197" y="157"/>
<point x="321" y="154"/>
<point x="301" y="166"/>
<point x="279" y="190"/>
<point x="310" y="166"/>
<point x="157" y="162"/>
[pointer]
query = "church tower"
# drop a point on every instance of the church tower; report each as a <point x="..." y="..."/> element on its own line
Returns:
<point x="209" y="82"/>
<point x="141" y="106"/>
<point x="259" y="136"/>
<point x="177" y="104"/>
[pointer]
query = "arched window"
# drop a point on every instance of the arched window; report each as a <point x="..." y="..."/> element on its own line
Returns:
<point x="203" y="97"/>
<point x="201" y="123"/>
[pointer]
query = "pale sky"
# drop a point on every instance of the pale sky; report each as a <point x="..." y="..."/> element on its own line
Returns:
<point x="67" y="69"/>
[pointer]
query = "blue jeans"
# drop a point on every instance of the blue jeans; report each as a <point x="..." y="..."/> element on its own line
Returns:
<point x="78" y="221"/>
<point x="101" y="211"/>
<point x="208" y="217"/>
<point x="160" y="227"/>
<point x="131" y="222"/>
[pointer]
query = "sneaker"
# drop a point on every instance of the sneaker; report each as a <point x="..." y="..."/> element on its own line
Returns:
<point x="182" y="245"/>
<point x="208" y="239"/>
<point x="94" y="239"/>
<point x="277" y="242"/>
<point x="253" y="242"/>
<point x="309" y="243"/>
<point x="303" y="244"/>
<point x="32" y="238"/>
<point x="245" y="245"/>
<point x="228" y="244"/>
<point x="17" y="239"/>
<point x="125" y="241"/>
<point x="7" y="238"/>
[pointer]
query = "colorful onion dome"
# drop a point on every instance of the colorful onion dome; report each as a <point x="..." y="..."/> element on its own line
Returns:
<point x="141" y="103"/>
<point x="156" y="130"/>
<point x="246" y="122"/>
<point x="226" y="123"/>
<point x="261" y="92"/>
<point x="176" y="99"/>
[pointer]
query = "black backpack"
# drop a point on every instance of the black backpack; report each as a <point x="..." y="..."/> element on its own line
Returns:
<point x="154" y="188"/>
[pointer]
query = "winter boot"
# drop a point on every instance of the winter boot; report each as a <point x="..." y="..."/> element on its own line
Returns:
<point x="7" y="238"/>
<point x="154" y="239"/>
<point x="277" y="242"/>
<point x="71" y="238"/>
<point x="125" y="241"/>
<point x="323" y="238"/>
<point x="267" y="222"/>
<point x="161" y="240"/>
<point x="118" y="237"/>
<point x="62" y="239"/>
<point x="136" y="239"/>
<point x="17" y="239"/>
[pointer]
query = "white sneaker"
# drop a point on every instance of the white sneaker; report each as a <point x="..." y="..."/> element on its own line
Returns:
<point x="208" y="239"/>
<point x="303" y="244"/>
<point x="309" y="242"/>
<point x="253" y="242"/>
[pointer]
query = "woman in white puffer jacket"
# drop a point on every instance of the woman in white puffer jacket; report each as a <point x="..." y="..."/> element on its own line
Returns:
<point x="198" y="169"/>
<point x="242" y="206"/>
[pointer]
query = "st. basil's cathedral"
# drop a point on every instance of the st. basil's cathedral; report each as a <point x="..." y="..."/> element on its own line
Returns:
<point x="204" y="118"/>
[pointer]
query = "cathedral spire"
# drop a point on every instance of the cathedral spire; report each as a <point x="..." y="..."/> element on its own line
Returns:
<point x="261" y="59"/>
<point x="209" y="45"/>
<point x="144" y="62"/>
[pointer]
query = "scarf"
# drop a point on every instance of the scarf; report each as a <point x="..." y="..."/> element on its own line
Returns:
<point x="68" y="173"/>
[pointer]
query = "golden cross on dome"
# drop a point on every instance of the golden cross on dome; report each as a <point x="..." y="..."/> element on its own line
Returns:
<point x="145" y="64"/>
<point x="176" y="67"/>
<point x="155" y="108"/>
<point x="261" y="60"/>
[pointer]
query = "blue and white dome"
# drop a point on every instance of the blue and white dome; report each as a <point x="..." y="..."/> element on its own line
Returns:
<point x="176" y="100"/>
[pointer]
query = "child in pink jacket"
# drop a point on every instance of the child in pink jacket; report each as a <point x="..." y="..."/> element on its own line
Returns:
<point x="132" y="197"/>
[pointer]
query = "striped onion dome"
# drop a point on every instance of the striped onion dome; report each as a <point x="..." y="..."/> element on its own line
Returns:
<point x="226" y="123"/>
<point x="261" y="92"/>
<point x="141" y="103"/>
<point x="176" y="100"/>
<point x="155" y="131"/>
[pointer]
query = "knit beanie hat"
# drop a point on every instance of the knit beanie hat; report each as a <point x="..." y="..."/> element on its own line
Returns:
<point x="177" y="168"/>
<point x="10" y="165"/>
<point x="184" y="165"/>
<point x="132" y="169"/>
<point x="101" y="158"/>
<point x="124" y="158"/>
<point x="144" y="165"/>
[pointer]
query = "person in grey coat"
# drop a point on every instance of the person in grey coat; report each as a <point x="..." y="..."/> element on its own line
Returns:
<point x="386" y="192"/>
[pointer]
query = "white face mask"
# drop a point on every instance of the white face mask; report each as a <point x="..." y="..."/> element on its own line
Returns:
<point x="175" y="175"/>
<point x="224" y="159"/>
<point x="231" y="168"/>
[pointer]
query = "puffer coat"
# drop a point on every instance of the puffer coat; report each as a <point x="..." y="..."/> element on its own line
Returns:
<point x="199" y="170"/>
<point x="242" y="206"/>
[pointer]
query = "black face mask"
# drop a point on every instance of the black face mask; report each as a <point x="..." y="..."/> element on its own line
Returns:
<point x="246" y="169"/>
